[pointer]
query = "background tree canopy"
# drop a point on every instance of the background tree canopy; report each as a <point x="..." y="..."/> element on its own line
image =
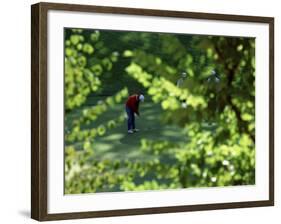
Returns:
<point x="196" y="131"/>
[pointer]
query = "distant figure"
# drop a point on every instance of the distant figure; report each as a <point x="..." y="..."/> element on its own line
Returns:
<point x="214" y="77"/>
<point x="180" y="83"/>
<point x="214" y="80"/>
<point x="181" y="80"/>
<point x="132" y="107"/>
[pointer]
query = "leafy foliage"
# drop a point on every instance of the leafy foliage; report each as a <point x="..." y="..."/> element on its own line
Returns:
<point x="214" y="107"/>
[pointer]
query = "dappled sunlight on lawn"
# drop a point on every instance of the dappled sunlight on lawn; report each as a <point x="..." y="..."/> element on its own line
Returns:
<point x="118" y="144"/>
<point x="196" y="124"/>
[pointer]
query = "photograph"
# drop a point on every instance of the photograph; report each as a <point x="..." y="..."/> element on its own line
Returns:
<point x="151" y="111"/>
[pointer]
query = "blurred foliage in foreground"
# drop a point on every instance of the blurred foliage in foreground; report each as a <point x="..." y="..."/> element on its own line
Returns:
<point x="214" y="106"/>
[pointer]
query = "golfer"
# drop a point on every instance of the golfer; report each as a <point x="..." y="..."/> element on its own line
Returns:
<point x="132" y="108"/>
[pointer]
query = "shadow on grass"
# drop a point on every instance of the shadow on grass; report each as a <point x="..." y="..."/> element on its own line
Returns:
<point x="117" y="144"/>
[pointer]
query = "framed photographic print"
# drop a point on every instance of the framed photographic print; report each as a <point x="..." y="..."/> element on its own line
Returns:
<point x="140" y="111"/>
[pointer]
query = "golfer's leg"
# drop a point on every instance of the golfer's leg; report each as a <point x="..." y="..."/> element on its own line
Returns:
<point x="133" y="120"/>
<point x="129" y="121"/>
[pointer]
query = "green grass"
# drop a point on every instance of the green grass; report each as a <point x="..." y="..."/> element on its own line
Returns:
<point x="117" y="144"/>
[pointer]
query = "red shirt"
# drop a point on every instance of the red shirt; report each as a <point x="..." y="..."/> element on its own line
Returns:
<point x="133" y="103"/>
